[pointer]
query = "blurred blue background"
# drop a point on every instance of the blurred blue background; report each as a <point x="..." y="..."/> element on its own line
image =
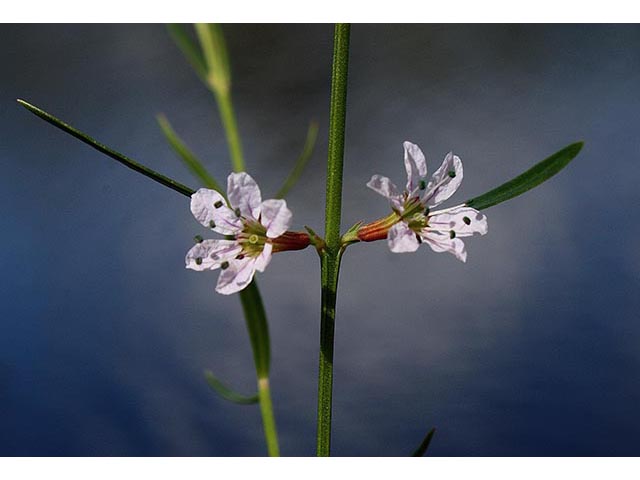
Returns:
<point x="531" y="348"/>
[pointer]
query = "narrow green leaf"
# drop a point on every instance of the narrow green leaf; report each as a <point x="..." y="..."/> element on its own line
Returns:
<point x="301" y="163"/>
<point x="531" y="178"/>
<point x="422" y="449"/>
<point x="256" y="319"/>
<point x="190" y="160"/>
<point x="189" y="49"/>
<point x="216" y="58"/>
<point x="226" y="393"/>
<point x="126" y="161"/>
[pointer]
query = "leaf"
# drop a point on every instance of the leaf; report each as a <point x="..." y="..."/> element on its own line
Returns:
<point x="531" y="178"/>
<point x="189" y="159"/>
<point x="422" y="449"/>
<point x="216" y="58"/>
<point x="301" y="163"/>
<point x="256" y="319"/>
<point x="126" y="161"/>
<point x="226" y="393"/>
<point x="189" y="49"/>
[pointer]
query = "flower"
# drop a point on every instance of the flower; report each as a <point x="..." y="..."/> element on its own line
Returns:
<point x="253" y="224"/>
<point x="412" y="221"/>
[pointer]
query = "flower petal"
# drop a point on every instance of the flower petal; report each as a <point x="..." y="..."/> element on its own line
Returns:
<point x="464" y="221"/>
<point x="264" y="258"/>
<point x="444" y="182"/>
<point x="237" y="276"/>
<point x="211" y="253"/>
<point x="210" y="209"/>
<point x="275" y="216"/>
<point x="440" y="242"/>
<point x="244" y="194"/>
<point x="415" y="164"/>
<point x="387" y="189"/>
<point x="402" y="239"/>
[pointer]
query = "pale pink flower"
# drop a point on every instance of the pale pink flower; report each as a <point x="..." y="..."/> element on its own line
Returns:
<point x="251" y="222"/>
<point x="416" y="222"/>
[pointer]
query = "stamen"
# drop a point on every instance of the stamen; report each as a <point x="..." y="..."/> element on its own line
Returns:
<point x="239" y="256"/>
<point x="199" y="261"/>
<point x="452" y="174"/>
<point x="423" y="184"/>
<point x="218" y="204"/>
<point x="466" y="220"/>
<point x="426" y="211"/>
<point x="224" y="265"/>
<point x="237" y="212"/>
<point x="452" y="234"/>
<point x="197" y="239"/>
<point x="212" y="224"/>
<point x="419" y="238"/>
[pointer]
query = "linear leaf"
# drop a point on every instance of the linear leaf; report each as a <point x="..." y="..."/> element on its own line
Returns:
<point x="422" y="449"/>
<point x="531" y="178"/>
<point x="187" y="156"/>
<point x="301" y="163"/>
<point x="126" y="161"/>
<point x="226" y="393"/>
<point x="256" y="320"/>
<point x="189" y="49"/>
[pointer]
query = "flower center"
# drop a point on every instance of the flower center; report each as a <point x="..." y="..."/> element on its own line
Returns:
<point x="252" y="238"/>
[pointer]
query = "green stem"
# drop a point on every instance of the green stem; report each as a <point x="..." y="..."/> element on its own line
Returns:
<point x="268" y="420"/>
<point x="331" y="254"/>
<point x="228" y="117"/>
<point x="219" y="81"/>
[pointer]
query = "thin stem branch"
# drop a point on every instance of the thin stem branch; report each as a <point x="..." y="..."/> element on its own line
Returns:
<point x="331" y="254"/>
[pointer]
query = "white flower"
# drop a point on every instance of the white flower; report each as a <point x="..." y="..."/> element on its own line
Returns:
<point x="416" y="223"/>
<point x="252" y="223"/>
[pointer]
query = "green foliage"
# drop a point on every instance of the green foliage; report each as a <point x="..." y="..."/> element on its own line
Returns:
<point x="533" y="177"/>
<point x="226" y="393"/>
<point x="422" y="449"/>
<point x="301" y="163"/>
<point x="119" y="157"/>
<point x="190" y="160"/>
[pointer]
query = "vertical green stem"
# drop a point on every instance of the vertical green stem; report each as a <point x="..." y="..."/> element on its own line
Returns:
<point x="330" y="259"/>
<point x="218" y="77"/>
<point x="268" y="420"/>
<point x="228" y="117"/>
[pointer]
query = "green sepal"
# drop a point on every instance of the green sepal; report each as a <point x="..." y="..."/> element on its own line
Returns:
<point x="526" y="181"/>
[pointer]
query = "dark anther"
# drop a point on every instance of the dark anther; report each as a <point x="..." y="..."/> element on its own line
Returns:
<point x="419" y="238"/>
<point x="218" y="204"/>
<point x="224" y="265"/>
<point x="452" y="174"/>
<point x="197" y="239"/>
<point x="212" y="224"/>
<point x="452" y="234"/>
<point x="466" y="220"/>
<point x="423" y="184"/>
<point x="239" y="256"/>
<point x="426" y="211"/>
<point x="237" y="211"/>
<point x="199" y="261"/>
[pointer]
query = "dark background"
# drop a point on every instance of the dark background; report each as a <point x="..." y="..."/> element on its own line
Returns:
<point x="531" y="348"/>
